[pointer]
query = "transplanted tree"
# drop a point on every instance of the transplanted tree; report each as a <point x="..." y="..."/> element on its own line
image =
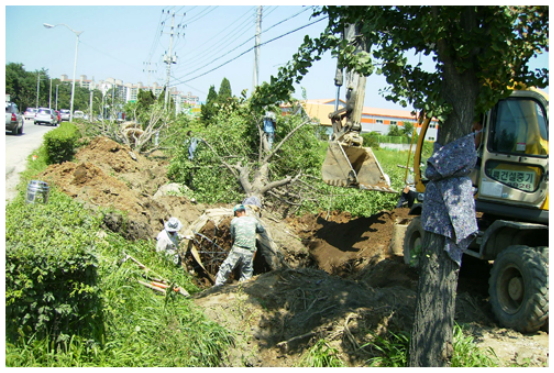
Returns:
<point x="478" y="52"/>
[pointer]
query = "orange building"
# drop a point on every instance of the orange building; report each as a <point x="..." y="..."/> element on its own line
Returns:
<point x="373" y="119"/>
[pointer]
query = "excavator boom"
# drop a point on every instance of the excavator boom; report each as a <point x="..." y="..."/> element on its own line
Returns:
<point x="348" y="163"/>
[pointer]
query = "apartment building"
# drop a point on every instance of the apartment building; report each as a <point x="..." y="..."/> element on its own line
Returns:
<point x="128" y="92"/>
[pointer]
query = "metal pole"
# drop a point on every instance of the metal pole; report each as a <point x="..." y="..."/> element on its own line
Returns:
<point x="50" y="96"/>
<point x="57" y="85"/>
<point x="257" y="47"/>
<point x="169" y="60"/>
<point x="38" y="87"/>
<point x="73" y="83"/>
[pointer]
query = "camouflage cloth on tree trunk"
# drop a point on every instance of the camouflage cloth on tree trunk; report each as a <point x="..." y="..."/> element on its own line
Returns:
<point x="449" y="207"/>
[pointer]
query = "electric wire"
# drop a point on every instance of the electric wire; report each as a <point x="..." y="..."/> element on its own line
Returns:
<point x="191" y="65"/>
<point x="210" y="50"/>
<point x="192" y="71"/>
<point x="248" y="50"/>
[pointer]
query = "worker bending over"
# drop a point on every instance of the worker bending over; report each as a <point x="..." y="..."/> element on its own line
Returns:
<point x="243" y="235"/>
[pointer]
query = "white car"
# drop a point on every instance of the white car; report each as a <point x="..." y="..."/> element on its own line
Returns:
<point x="65" y="114"/>
<point x="78" y="115"/>
<point x="46" y="116"/>
<point x="30" y="113"/>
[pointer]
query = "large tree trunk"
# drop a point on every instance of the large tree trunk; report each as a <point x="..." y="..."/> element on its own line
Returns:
<point x="431" y="342"/>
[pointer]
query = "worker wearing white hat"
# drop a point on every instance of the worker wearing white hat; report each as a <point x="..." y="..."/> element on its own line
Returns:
<point x="169" y="238"/>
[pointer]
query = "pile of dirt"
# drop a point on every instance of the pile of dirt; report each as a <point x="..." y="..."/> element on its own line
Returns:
<point x="343" y="283"/>
<point x="109" y="175"/>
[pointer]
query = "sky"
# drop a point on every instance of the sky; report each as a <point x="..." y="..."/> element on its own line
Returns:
<point x="211" y="42"/>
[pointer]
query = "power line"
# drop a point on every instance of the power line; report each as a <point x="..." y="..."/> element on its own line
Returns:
<point x="245" y="42"/>
<point x="209" y="51"/>
<point x="248" y="50"/>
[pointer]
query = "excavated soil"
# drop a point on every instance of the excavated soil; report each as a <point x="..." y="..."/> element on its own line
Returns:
<point x="345" y="280"/>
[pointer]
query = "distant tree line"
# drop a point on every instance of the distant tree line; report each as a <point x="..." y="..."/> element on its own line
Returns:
<point x="26" y="88"/>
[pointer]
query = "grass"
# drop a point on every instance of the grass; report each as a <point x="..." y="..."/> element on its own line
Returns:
<point x="321" y="355"/>
<point x="391" y="350"/>
<point x="141" y="328"/>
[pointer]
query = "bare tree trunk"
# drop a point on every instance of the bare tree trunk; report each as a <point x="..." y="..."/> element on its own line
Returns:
<point x="430" y="345"/>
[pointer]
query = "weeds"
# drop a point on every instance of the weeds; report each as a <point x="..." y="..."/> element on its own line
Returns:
<point x="392" y="351"/>
<point x="321" y="355"/>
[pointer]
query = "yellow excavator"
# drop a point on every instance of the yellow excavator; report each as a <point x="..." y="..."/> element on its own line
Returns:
<point x="511" y="202"/>
<point x="511" y="197"/>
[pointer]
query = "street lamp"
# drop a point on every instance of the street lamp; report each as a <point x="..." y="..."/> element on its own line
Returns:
<point x="77" y="33"/>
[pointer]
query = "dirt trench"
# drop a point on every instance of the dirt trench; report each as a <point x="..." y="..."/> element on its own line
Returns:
<point x="343" y="281"/>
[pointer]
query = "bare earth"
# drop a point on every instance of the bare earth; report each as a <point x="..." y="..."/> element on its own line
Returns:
<point x="345" y="281"/>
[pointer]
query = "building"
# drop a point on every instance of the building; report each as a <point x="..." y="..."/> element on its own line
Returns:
<point x="373" y="119"/>
<point x="128" y="92"/>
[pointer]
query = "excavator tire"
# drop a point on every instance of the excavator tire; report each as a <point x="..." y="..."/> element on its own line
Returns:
<point x="518" y="288"/>
<point x="412" y="242"/>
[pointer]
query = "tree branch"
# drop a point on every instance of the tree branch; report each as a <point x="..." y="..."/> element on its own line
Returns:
<point x="275" y="149"/>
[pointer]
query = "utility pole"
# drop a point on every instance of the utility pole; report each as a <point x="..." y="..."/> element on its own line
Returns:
<point x="169" y="59"/>
<point x="38" y="87"/>
<point x="149" y="70"/>
<point x="257" y="48"/>
<point x="57" y="85"/>
<point x="90" y="114"/>
<point x="50" y="96"/>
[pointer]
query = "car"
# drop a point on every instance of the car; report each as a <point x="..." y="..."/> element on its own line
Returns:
<point x="65" y="114"/>
<point x="78" y="115"/>
<point x="30" y="113"/>
<point x="46" y="116"/>
<point x="14" y="119"/>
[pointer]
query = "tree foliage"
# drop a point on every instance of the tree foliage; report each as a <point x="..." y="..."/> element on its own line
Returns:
<point x="209" y="109"/>
<point x="233" y="138"/>
<point x="225" y="92"/>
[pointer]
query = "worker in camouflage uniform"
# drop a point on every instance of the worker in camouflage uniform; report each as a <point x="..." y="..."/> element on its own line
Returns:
<point x="243" y="234"/>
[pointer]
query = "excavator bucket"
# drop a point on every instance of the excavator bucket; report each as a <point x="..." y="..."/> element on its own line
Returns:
<point x="354" y="166"/>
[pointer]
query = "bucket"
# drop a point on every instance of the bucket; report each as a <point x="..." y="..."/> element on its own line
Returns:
<point x="37" y="191"/>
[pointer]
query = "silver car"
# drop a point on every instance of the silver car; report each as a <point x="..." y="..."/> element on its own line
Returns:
<point x="30" y="113"/>
<point x="65" y="114"/>
<point x="14" y="119"/>
<point x="46" y="116"/>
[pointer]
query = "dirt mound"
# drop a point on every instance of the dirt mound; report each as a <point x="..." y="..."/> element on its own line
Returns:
<point x="109" y="175"/>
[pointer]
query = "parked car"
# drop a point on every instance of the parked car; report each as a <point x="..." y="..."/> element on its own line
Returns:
<point x="78" y="114"/>
<point x="14" y="119"/>
<point x="30" y="113"/>
<point x="65" y="114"/>
<point x="46" y="116"/>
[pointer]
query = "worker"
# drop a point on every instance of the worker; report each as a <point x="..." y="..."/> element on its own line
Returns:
<point x="167" y="241"/>
<point x="192" y="143"/>
<point x="243" y="236"/>
<point x="269" y="127"/>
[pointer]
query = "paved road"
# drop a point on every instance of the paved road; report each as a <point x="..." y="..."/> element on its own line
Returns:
<point x="18" y="148"/>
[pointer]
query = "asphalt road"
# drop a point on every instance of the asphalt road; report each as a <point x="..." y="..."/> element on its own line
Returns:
<point x="17" y="149"/>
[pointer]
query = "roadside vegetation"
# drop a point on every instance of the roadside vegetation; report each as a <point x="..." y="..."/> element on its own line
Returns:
<point x="128" y="325"/>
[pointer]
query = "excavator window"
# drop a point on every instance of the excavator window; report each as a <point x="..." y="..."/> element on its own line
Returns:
<point x="519" y="128"/>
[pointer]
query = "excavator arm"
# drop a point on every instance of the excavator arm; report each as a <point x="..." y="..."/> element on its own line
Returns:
<point x="348" y="163"/>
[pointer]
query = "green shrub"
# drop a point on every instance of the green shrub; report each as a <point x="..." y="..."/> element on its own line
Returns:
<point x="51" y="278"/>
<point x="60" y="143"/>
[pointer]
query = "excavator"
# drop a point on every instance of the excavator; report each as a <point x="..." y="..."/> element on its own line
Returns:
<point x="510" y="180"/>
